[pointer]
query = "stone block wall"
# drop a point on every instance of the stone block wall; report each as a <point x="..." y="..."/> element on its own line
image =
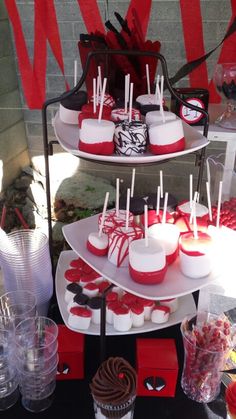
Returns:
<point x="165" y="25"/>
<point x="13" y="143"/>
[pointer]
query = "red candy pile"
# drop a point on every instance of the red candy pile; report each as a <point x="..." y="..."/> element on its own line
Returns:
<point x="207" y="347"/>
<point x="227" y="214"/>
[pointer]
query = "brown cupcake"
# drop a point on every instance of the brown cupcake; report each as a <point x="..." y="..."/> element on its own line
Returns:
<point x="114" y="388"/>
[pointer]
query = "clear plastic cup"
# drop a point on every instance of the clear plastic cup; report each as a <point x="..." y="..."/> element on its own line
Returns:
<point x="37" y="405"/>
<point x="43" y="392"/>
<point x="8" y="375"/>
<point x="35" y="338"/>
<point x="15" y="306"/>
<point x="38" y="378"/>
<point x="9" y="399"/>
<point x="26" y="264"/>
<point x="36" y="354"/>
<point x="41" y="363"/>
<point x="37" y="389"/>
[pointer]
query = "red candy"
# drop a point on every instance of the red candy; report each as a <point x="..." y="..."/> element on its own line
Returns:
<point x="227" y="214"/>
<point x="81" y="311"/>
<point x="206" y="349"/>
<point x="77" y="263"/>
<point x="72" y="275"/>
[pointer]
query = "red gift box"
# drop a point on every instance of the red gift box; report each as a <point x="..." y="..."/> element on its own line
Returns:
<point x="71" y="354"/>
<point x="157" y="367"/>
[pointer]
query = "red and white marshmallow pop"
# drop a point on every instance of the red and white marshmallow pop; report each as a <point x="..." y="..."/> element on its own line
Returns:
<point x="115" y="217"/>
<point x="166" y="136"/>
<point x="120" y="239"/>
<point x="147" y="259"/>
<point x="96" y="135"/>
<point x="97" y="242"/>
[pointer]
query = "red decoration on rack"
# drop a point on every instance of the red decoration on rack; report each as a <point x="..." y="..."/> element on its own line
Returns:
<point x="128" y="33"/>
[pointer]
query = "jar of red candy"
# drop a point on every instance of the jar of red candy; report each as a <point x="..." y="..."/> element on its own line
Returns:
<point x="208" y="340"/>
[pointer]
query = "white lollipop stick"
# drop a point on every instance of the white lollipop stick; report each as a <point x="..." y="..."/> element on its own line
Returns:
<point x="148" y="79"/>
<point x="160" y="104"/>
<point x="146" y="225"/>
<point x="193" y="206"/>
<point x="94" y="95"/>
<point x="103" y="213"/>
<point x="132" y="183"/>
<point x="162" y="89"/>
<point x="190" y="190"/>
<point x="209" y="200"/>
<point x="131" y="100"/>
<point x="117" y="196"/>
<point x="97" y="94"/>
<point x="75" y="72"/>
<point x="127" y="209"/>
<point x="157" y="85"/>
<point x="165" y="208"/>
<point x="219" y="205"/>
<point x="158" y="201"/>
<point x="161" y="183"/>
<point x="127" y="82"/>
<point x="99" y="80"/>
<point x="102" y="99"/>
<point x="195" y="233"/>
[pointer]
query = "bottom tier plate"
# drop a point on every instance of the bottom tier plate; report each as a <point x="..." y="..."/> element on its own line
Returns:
<point x="186" y="304"/>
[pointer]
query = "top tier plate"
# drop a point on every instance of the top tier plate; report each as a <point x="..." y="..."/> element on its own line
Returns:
<point x="68" y="137"/>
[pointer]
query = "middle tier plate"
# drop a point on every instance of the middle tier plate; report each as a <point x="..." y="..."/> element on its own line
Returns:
<point x="175" y="283"/>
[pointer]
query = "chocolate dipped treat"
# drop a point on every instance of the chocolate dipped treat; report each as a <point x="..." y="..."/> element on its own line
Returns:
<point x="171" y="202"/>
<point x="70" y="107"/>
<point x="136" y="205"/>
<point x="114" y="389"/>
<point x="71" y="290"/>
<point x="145" y="108"/>
<point x="95" y="304"/>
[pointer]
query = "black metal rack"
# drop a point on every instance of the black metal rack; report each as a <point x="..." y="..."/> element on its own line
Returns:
<point x="48" y="145"/>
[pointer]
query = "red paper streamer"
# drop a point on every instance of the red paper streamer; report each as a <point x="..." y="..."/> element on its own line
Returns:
<point x="227" y="55"/>
<point x="33" y="94"/>
<point x="49" y="21"/>
<point x="45" y="27"/>
<point x="91" y="16"/>
<point x="193" y="39"/>
<point x="142" y="10"/>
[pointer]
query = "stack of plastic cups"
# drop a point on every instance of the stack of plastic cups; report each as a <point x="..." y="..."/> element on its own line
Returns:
<point x="26" y="264"/>
<point x="14" y="307"/>
<point x="36" y="359"/>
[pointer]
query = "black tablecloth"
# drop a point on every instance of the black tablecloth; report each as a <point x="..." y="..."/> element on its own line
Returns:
<point x="72" y="398"/>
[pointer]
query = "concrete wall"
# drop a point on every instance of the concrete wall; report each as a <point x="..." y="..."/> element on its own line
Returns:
<point x="165" y="25"/>
<point x="13" y="144"/>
